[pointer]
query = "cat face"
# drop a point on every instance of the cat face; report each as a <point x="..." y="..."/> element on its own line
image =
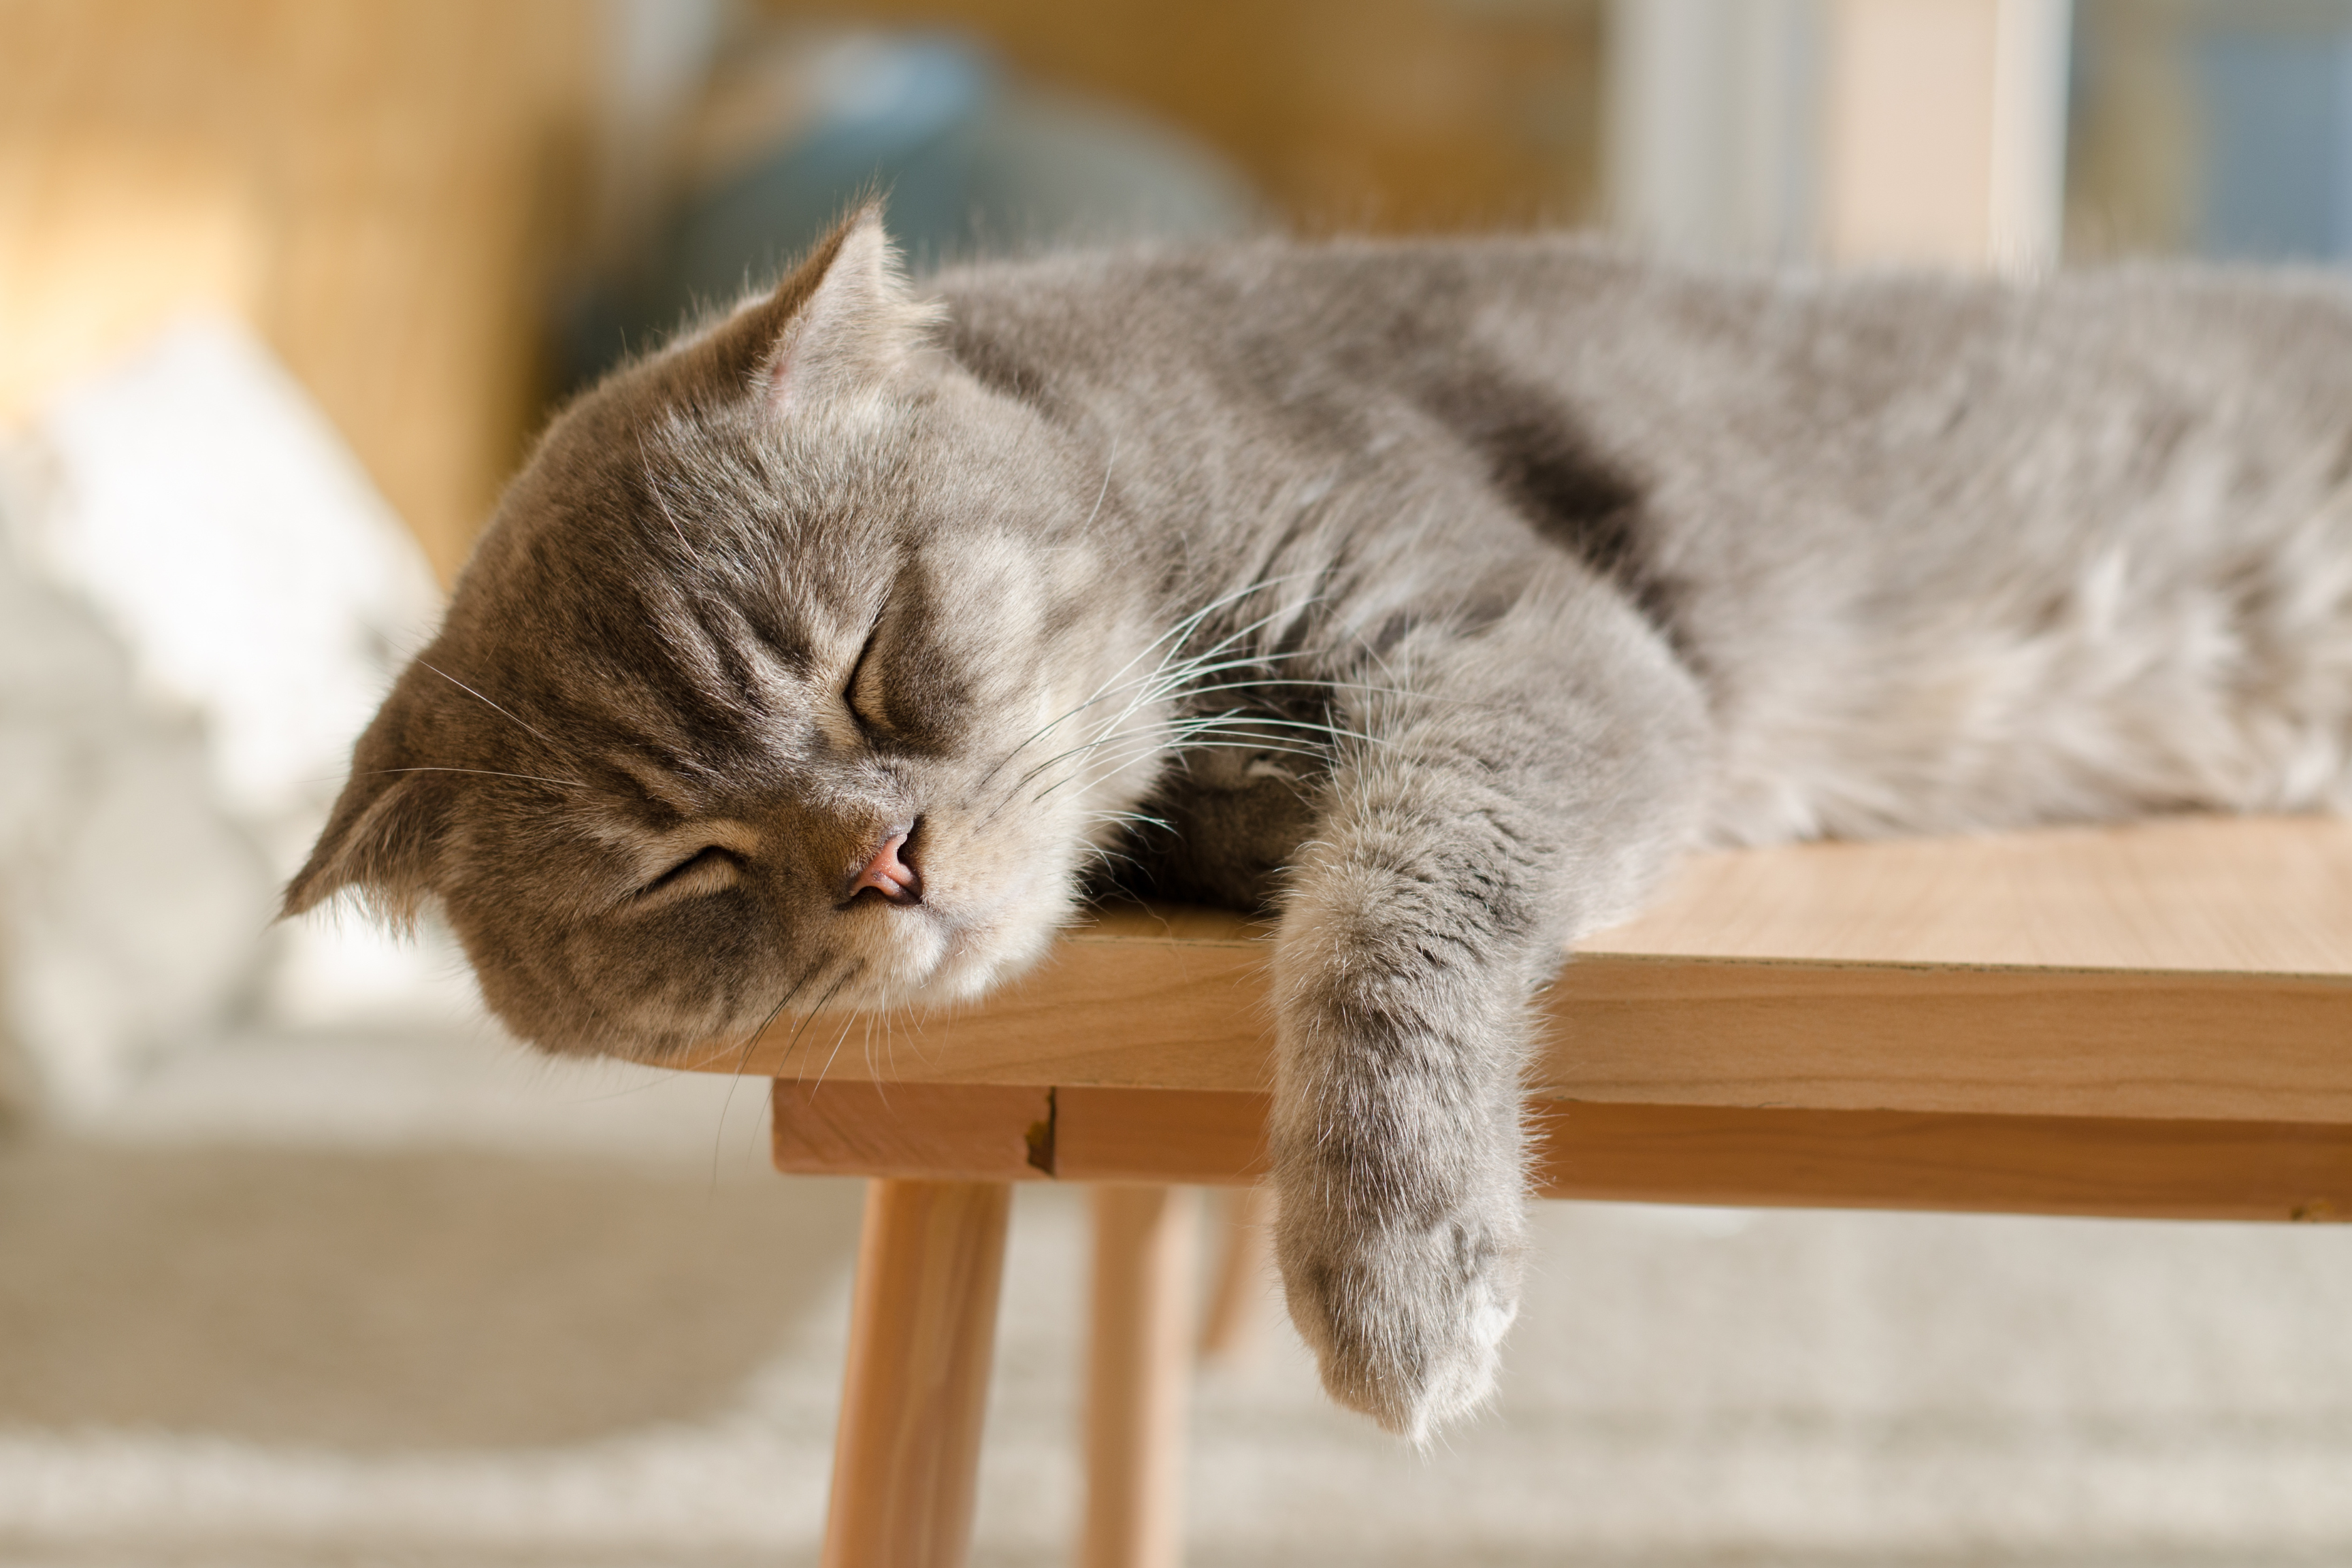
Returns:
<point x="785" y="680"/>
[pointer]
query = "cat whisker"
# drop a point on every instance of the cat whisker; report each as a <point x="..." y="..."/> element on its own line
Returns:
<point x="1239" y="729"/>
<point x="1049" y="790"/>
<point x="851" y="973"/>
<point x="1120" y="763"/>
<point x="1238" y="741"/>
<point x="1104" y="494"/>
<point x="1143" y="745"/>
<point x="653" y="489"/>
<point x="1159" y="674"/>
<point x="1128" y="818"/>
<point x="486" y="773"/>
<point x="1222" y="731"/>
<point x="1239" y="723"/>
<point x="1169" y="678"/>
<point x="1180" y="633"/>
<point x="742" y="1052"/>
<point x="1182" y="681"/>
<point x="1108" y="730"/>
<point x="1206" y="659"/>
<point x="1318" y="685"/>
<point x="791" y="1042"/>
<point x="752" y="1039"/>
<point x="887" y="1068"/>
<point x="488" y="703"/>
<point x="1106" y="856"/>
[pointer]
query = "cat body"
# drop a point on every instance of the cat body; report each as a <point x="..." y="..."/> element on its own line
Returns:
<point x="1434" y="595"/>
<point x="1942" y="554"/>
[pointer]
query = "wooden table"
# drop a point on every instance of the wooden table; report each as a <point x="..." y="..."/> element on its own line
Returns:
<point x="2153" y="1021"/>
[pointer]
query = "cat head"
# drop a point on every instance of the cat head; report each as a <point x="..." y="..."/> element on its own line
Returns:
<point x="786" y="677"/>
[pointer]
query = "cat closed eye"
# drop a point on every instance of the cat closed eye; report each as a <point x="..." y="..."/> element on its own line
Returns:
<point x="706" y="870"/>
<point x="867" y="714"/>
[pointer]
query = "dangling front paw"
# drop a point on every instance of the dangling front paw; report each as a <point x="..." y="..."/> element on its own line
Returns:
<point x="1406" y="1313"/>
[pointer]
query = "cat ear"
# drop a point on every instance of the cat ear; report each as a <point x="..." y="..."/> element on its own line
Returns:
<point x="843" y="325"/>
<point x="383" y="838"/>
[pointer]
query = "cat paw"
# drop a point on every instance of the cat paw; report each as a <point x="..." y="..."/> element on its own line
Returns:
<point x="1406" y="1316"/>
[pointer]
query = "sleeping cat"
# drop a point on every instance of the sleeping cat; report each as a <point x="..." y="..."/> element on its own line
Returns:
<point x="1435" y="594"/>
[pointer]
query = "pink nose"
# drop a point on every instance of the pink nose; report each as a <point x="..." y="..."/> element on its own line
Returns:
<point x="888" y="875"/>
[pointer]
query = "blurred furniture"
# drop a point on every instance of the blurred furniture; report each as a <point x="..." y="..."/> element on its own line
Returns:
<point x="382" y="188"/>
<point x="1886" y="132"/>
<point x="1386" y="115"/>
<point x="1945" y="130"/>
<point x="2214" y="127"/>
<point x="2153" y="1021"/>
<point x="794" y="124"/>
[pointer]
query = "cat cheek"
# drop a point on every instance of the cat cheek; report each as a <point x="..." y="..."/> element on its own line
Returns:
<point x="695" y="969"/>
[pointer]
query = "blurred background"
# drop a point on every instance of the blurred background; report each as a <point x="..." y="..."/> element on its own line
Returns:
<point x="302" y="1262"/>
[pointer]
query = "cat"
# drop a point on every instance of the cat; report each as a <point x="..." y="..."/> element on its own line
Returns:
<point x="1433" y="594"/>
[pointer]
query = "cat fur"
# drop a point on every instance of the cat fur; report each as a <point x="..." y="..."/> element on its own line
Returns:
<point x="1433" y="594"/>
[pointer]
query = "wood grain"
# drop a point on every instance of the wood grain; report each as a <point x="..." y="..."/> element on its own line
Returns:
<point x="1117" y="1003"/>
<point x="1149" y="1013"/>
<point x="2131" y="1168"/>
<point x="1949" y="1038"/>
<point x="1233" y="1318"/>
<point x="1849" y="1017"/>
<point x="2253" y="895"/>
<point x="1869" y="1062"/>
<point x="940" y="1132"/>
<point x="1131" y="1134"/>
<point x="2145" y="1167"/>
<point x="906" y="1458"/>
<point x="1233" y="1321"/>
<point x="1139" y="1370"/>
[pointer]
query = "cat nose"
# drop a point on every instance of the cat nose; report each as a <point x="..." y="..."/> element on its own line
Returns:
<point x="889" y="871"/>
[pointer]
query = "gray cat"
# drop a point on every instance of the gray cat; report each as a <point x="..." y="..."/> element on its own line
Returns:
<point x="1436" y="594"/>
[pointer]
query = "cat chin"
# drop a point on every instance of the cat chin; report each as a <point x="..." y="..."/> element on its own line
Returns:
<point x="896" y="959"/>
<point x="976" y="957"/>
<point x="973" y="971"/>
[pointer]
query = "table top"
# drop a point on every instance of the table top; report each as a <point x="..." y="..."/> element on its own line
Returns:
<point x="2256" y="895"/>
<point x="2187" y="968"/>
<point x="2152" y="1021"/>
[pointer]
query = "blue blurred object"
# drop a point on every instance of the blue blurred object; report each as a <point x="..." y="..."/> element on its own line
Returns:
<point x="969" y="163"/>
<point x="2277" y="180"/>
<point x="896" y="117"/>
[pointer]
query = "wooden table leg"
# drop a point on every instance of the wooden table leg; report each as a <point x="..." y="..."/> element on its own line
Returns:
<point x="922" y="1329"/>
<point x="1236" y="1315"/>
<point x="1138" y="1367"/>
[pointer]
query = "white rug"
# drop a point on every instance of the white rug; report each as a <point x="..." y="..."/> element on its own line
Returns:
<point x="429" y="1306"/>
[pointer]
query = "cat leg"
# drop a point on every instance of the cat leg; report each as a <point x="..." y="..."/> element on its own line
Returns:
<point x="1511" y="789"/>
